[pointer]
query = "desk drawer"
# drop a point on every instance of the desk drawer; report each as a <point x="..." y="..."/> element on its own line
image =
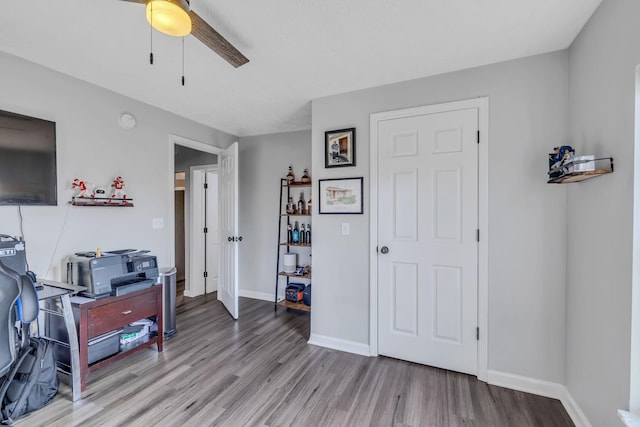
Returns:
<point x="116" y="314"/>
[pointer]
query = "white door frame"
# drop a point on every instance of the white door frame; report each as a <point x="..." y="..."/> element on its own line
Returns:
<point x="196" y="242"/>
<point x="482" y="104"/>
<point x="196" y="145"/>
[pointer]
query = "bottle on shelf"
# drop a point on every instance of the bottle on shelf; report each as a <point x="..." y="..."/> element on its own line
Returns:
<point x="306" y="179"/>
<point x="289" y="234"/>
<point x="301" y="204"/>
<point x="290" y="176"/>
<point x="290" y="206"/>
<point x="296" y="233"/>
<point x="303" y="236"/>
<point x="309" y="212"/>
<point x="307" y="236"/>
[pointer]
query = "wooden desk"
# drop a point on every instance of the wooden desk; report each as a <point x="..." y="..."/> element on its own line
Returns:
<point x="107" y="314"/>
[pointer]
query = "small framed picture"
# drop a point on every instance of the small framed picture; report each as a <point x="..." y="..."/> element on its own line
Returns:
<point x="340" y="148"/>
<point x="340" y="196"/>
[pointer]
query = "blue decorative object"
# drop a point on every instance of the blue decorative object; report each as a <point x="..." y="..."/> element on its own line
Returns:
<point x="558" y="158"/>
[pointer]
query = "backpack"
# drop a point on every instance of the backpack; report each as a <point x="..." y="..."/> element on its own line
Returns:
<point x="32" y="382"/>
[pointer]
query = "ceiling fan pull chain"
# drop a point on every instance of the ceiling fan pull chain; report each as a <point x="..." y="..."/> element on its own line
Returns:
<point x="151" y="37"/>
<point x="183" y="61"/>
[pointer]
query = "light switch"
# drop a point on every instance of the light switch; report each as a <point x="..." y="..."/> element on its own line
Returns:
<point x="346" y="228"/>
<point x="157" y="223"/>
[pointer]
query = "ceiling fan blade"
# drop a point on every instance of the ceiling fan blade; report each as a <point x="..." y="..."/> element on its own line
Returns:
<point x="214" y="40"/>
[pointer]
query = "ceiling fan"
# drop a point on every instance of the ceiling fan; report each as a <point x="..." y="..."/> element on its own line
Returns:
<point x="173" y="17"/>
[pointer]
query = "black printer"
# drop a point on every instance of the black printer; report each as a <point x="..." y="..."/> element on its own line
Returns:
<point x="112" y="273"/>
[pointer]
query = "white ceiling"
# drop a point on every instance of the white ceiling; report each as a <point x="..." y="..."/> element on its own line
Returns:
<point x="298" y="49"/>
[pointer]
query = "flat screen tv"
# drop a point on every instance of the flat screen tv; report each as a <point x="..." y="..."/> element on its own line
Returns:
<point x="27" y="160"/>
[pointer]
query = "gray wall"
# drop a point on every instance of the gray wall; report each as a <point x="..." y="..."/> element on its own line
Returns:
<point x="185" y="157"/>
<point x="264" y="159"/>
<point x="92" y="146"/>
<point x="527" y="217"/>
<point x="603" y="62"/>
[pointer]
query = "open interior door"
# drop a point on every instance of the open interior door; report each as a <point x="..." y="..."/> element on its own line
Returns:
<point x="229" y="238"/>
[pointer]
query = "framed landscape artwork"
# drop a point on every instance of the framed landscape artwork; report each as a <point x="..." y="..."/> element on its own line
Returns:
<point x="340" y="148"/>
<point x="340" y="196"/>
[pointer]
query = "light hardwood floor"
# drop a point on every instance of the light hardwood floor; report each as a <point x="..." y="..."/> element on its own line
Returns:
<point x="259" y="370"/>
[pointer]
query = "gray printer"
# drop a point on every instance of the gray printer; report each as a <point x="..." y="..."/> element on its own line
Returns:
<point x="112" y="273"/>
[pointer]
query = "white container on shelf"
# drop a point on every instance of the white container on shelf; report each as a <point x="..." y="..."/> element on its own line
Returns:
<point x="582" y="164"/>
<point x="289" y="262"/>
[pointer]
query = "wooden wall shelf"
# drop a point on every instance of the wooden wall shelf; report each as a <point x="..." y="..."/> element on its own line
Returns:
<point x="297" y="184"/>
<point x="578" y="176"/>
<point x="294" y="305"/>
<point x="102" y="202"/>
<point x="296" y="276"/>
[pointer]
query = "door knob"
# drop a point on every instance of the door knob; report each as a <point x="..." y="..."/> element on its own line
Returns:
<point x="384" y="250"/>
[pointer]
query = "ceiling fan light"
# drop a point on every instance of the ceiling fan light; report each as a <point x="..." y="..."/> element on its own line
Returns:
<point x="169" y="16"/>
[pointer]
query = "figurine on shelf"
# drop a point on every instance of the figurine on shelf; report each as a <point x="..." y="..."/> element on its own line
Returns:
<point x="118" y="192"/>
<point x="560" y="155"/>
<point x="290" y="176"/>
<point x="81" y="188"/>
<point x="306" y="179"/>
<point x="558" y="159"/>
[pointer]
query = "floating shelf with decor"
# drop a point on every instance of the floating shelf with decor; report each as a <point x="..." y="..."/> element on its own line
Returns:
<point x="101" y="201"/>
<point x="580" y="168"/>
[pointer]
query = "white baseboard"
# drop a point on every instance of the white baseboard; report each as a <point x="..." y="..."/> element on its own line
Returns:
<point x="541" y="388"/>
<point x="189" y="294"/>
<point x="629" y="419"/>
<point x="264" y="296"/>
<point x="577" y="416"/>
<point x="339" y="344"/>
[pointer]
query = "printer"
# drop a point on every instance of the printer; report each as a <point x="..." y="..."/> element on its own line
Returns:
<point x="112" y="273"/>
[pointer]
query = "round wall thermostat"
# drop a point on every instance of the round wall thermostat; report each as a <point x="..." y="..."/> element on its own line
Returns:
<point x="127" y="121"/>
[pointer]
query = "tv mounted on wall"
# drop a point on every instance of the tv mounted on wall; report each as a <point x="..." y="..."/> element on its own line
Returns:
<point x="27" y="160"/>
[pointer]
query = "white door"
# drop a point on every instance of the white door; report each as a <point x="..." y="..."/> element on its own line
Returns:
<point x="427" y="224"/>
<point x="194" y="285"/>
<point x="204" y="231"/>
<point x="212" y="236"/>
<point x="228" y="208"/>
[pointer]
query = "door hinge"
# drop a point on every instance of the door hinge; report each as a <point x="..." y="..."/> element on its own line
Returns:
<point x="478" y="137"/>
<point x="477" y="333"/>
<point x="206" y="230"/>
<point x="206" y="185"/>
<point x="206" y="274"/>
<point x="477" y="235"/>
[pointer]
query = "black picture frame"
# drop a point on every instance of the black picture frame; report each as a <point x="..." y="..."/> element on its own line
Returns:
<point x="341" y="196"/>
<point x="340" y="148"/>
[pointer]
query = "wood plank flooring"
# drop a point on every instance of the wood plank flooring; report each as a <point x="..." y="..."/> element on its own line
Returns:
<point x="259" y="371"/>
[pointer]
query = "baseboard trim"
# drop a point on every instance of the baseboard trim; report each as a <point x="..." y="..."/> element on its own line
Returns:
<point x="339" y="344"/>
<point x="189" y="294"/>
<point x="255" y="295"/>
<point x="573" y="409"/>
<point x="541" y="388"/>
